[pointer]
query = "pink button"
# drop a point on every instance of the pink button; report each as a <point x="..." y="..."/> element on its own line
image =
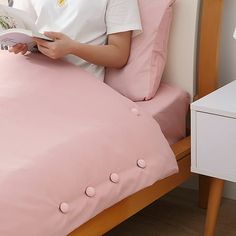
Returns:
<point x="135" y="111"/>
<point x="90" y="191"/>
<point x="141" y="163"/>
<point x="64" y="207"/>
<point x="115" y="178"/>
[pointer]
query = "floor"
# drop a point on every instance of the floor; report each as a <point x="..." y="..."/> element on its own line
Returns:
<point x="177" y="214"/>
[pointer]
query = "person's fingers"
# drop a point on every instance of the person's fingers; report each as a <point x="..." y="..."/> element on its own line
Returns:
<point x="18" y="48"/>
<point x="14" y="48"/>
<point x="24" y="51"/>
<point x="53" y="35"/>
<point x="42" y="43"/>
<point x="43" y="50"/>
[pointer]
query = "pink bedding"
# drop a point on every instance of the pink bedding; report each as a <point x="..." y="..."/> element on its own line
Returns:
<point x="169" y="108"/>
<point x="70" y="147"/>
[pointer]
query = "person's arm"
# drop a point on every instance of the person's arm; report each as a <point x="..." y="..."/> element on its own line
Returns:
<point x="115" y="54"/>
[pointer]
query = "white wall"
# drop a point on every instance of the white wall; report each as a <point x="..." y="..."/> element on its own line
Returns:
<point x="228" y="44"/>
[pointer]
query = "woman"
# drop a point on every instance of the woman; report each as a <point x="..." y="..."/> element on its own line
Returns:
<point x="91" y="34"/>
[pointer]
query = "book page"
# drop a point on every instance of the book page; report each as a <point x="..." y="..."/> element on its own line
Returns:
<point x="16" y="26"/>
<point x="12" y="37"/>
<point x="14" y="18"/>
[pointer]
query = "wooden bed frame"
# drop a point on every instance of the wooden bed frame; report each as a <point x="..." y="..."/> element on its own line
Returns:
<point x="208" y="37"/>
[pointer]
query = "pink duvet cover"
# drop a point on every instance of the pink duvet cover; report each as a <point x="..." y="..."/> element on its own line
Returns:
<point x="70" y="147"/>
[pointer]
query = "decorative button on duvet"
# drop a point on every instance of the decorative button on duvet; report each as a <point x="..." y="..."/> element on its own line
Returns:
<point x="64" y="207"/>
<point x="115" y="178"/>
<point x="90" y="191"/>
<point x="141" y="163"/>
<point x="135" y="111"/>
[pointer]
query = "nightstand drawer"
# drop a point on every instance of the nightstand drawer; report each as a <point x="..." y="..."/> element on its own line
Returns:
<point x="215" y="146"/>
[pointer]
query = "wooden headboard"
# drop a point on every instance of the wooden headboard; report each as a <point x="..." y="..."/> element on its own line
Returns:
<point x="208" y="49"/>
<point x="192" y="62"/>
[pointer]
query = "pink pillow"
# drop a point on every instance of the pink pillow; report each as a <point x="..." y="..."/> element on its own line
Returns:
<point x="140" y="78"/>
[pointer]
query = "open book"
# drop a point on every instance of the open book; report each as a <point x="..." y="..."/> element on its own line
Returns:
<point x="17" y="26"/>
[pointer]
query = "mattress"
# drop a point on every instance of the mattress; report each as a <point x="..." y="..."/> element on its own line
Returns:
<point x="169" y="108"/>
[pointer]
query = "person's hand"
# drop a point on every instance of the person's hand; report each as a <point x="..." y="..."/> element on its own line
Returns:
<point x="19" y="48"/>
<point x="60" y="47"/>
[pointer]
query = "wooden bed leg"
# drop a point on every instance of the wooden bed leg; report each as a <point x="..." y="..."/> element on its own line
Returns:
<point x="204" y="185"/>
<point x="215" y="194"/>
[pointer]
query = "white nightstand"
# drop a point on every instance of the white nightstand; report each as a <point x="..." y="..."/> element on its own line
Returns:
<point x="213" y="127"/>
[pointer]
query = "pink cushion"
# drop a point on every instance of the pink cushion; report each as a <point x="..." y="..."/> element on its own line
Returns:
<point x="140" y="78"/>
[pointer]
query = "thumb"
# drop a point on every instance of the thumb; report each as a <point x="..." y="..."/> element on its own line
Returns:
<point x="53" y="35"/>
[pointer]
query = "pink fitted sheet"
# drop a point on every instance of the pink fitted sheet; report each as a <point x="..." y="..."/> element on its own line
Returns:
<point x="169" y="108"/>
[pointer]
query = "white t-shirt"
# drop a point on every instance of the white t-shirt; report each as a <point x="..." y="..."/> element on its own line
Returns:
<point x="87" y="21"/>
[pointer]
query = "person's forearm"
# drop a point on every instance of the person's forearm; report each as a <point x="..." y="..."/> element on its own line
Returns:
<point x="104" y="55"/>
<point x="115" y="54"/>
